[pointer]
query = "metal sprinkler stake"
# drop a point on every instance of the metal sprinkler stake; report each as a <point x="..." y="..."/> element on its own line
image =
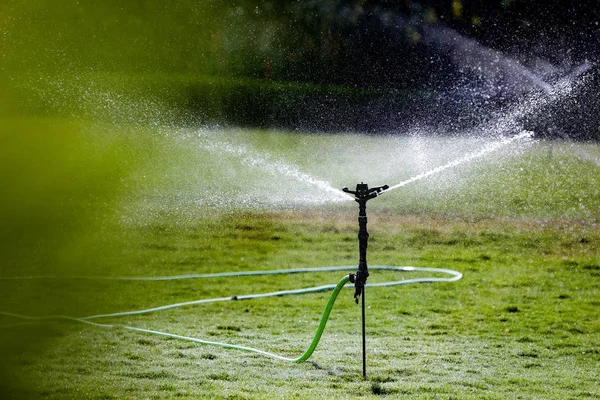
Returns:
<point x="362" y="194"/>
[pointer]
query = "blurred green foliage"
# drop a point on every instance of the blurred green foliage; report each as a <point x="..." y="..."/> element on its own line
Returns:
<point x="181" y="36"/>
<point x="107" y="36"/>
<point x="184" y="61"/>
<point x="60" y="182"/>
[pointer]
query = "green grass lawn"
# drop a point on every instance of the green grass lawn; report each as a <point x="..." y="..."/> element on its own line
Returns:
<point x="521" y="225"/>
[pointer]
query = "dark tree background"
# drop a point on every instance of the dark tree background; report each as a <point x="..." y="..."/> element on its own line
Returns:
<point x="324" y="65"/>
<point x="463" y="58"/>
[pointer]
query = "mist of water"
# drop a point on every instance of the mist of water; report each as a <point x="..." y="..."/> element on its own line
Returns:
<point x="465" y="159"/>
<point x="280" y="169"/>
<point x="212" y="167"/>
<point x="250" y="176"/>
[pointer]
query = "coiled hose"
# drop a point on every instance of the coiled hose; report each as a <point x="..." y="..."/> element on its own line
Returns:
<point x="455" y="276"/>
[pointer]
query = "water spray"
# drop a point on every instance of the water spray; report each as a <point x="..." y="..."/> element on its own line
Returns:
<point x="494" y="146"/>
<point x="362" y="194"/>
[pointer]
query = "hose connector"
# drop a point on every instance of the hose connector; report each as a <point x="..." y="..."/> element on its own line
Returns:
<point x="360" y="280"/>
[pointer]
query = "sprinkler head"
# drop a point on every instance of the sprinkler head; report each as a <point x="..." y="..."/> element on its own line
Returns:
<point x="364" y="193"/>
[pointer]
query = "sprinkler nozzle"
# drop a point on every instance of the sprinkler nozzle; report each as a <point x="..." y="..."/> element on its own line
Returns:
<point x="363" y="192"/>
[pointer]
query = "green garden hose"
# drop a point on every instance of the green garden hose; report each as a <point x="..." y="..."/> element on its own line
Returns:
<point x="311" y="348"/>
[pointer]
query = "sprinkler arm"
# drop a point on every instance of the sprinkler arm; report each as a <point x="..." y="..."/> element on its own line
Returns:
<point x="365" y="192"/>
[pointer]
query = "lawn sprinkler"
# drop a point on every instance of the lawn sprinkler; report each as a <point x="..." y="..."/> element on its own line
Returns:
<point x="362" y="194"/>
